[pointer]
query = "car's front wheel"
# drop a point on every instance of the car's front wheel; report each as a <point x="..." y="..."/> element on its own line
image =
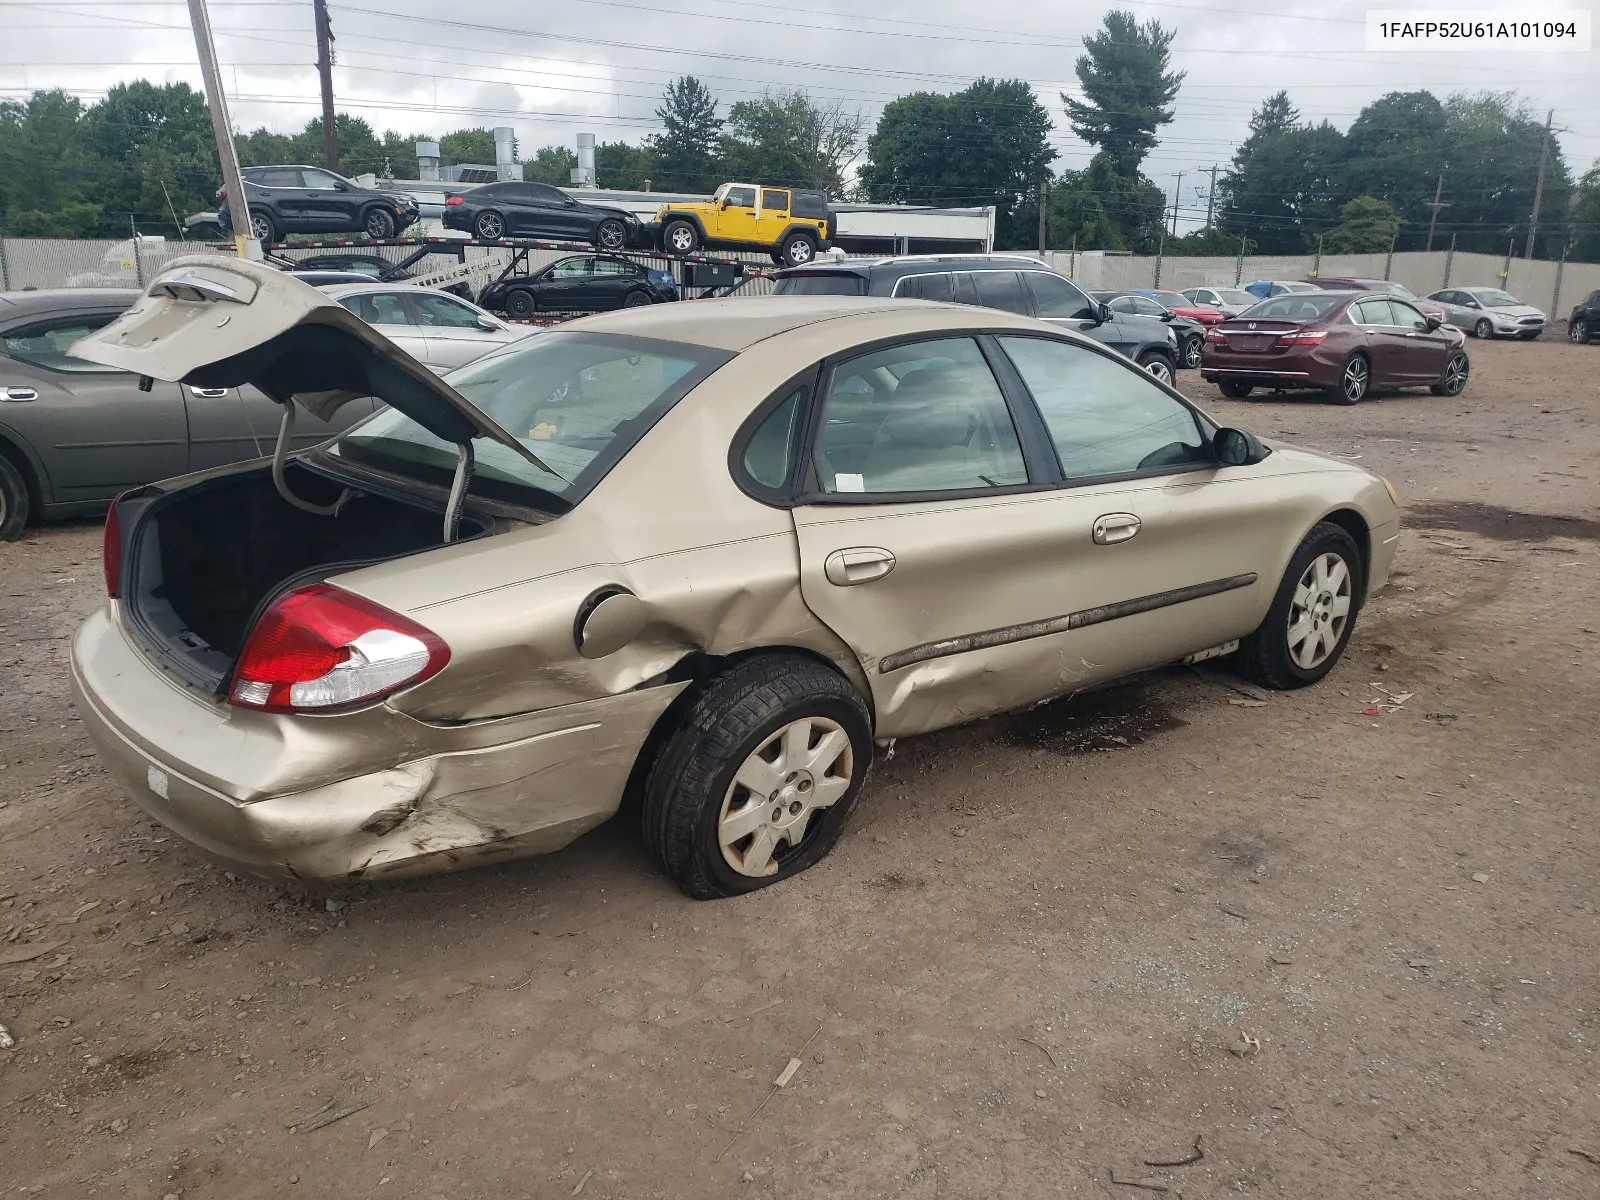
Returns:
<point x="1578" y="332"/>
<point x="1484" y="329"/>
<point x="1311" y="618"/>
<point x="758" y="776"/>
<point x="1159" y="365"/>
<point x="680" y="237"/>
<point x="13" y="501"/>
<point x="1454" y="380"/>
<point x="611" y="235"/>
<point x="520" y="303"/>
<point x="379" y="224"/>
<point x="490" y="226"/>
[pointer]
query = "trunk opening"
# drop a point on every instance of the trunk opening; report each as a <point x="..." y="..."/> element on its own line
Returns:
<point x="205" y="560"/>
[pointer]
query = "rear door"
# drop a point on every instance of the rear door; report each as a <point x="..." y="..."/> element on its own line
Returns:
<point x="773" y="217"/>
<point x="610" y="281"/>
<point x="90" y="425"/>
<point x="282" y="188"/>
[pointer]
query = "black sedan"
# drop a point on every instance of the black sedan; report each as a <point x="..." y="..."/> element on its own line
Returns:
<point x="502" y="210"/>
<point x="582" y="283"/>
<point x="1190" y="333"/>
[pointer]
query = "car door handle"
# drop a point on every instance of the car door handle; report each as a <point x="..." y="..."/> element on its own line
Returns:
<point x="859" y="564"/>
<point x="1115" y="527"/>
<point x="209" y="393"/>
<point x="20" y="394"/>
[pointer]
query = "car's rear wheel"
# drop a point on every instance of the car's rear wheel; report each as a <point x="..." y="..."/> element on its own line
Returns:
<point x="1483" y="329"/>
<point x="1191" y="352"/>
<point x="1578" y="332"/>
<point x="1355" y="377"/>
<point x="1159" y="365"/>
<point x="379" y="224"/>
<point x="611" y="235"/>
<point x="635" y="300"/>
<point x="490" y="226"/>
<point x="1235" y="390"/>
<point x="1311" y="618"/>
<point x="263" y="228"/>
<point x="520" y="303"/>
<point x="14" y="505"/>
<point x="680" y="237"/>
<point x="1454" y="380"/>
<point x="797" y="250"/>
<point x="758" y="777"/>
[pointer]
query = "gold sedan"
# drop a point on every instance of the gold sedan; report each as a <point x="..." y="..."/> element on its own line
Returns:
<point x="708" y="554"/>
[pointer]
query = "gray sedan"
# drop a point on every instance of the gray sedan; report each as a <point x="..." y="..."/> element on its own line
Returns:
<point x="73" y="434"/>
<point x="434" y="327"/>
<point x="1487" y="312"/>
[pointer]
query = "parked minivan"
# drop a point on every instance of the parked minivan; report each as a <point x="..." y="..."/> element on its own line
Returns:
<point x="1010" y="282"/>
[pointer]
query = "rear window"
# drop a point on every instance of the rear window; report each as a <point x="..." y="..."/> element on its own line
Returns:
<point x="577" y="401"/>
<point x="811" y="204"/>
<point x="1293" y="306"/>
<point x="820" y="283"/>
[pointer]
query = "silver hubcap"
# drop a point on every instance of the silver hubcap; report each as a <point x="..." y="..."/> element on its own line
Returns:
<point x="1576" y="331"/>
<point x="261" y="230"/>
<point x="802" y="768"/>
<point x="1484" y="329"/>
<point x="490" y="227"/>
<point x="1158" y="367"/>
<point x="1319" y="612"/>
<point x="1455" y="375"/>
<point x="682" y="239"/>
<point x="1192" y="354"/>
<point x="1355" y="380"/>
<point x="610" y="237"/>
<point x="800" y="252"/>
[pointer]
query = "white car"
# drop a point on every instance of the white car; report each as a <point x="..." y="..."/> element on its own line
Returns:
<point x="434" y="327"/>
<point x="1487" y="312"/>
<point x="1232" y="301"/>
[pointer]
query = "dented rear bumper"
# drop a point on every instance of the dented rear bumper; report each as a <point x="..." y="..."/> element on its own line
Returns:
<point x="281" y="797"/>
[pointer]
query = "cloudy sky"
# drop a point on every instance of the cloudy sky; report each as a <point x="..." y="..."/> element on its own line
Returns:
<point x="551" y="70"/>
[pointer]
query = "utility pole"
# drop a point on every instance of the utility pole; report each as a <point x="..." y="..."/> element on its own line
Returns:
<point x="1538" y="188"/>
<point x="330" y="127"/>
<point x="1433" y="219"/>
<point x="1177" y="195"/>
<point x="1044" y="208"/>
<point x="1211" y="197"/>
<point x="238" y="213"/>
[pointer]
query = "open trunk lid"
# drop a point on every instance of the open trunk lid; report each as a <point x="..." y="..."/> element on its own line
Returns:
<point x="212" y="321"/>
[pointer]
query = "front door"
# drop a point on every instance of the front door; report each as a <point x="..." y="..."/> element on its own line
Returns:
<point x="95" y="431"/>
<point x="329" y="202"/>
<point x="451" y="330"/>
<point x="1426" y="349"/>
<point x="736" y="217"/>
<point x="389" y="314"/>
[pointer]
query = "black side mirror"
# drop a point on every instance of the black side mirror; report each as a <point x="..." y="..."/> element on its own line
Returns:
<point x="1236" y="448"/>
<point x="1432" y="322"/>
<point x="1167" y="314"/>
<point x="1102" y="313"/>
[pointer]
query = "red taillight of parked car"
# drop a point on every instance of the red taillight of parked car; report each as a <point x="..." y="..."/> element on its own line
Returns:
<point x="1216" y="338"/>
<point x="111" y="551"/>
<point x="222" y="194"/>
<point x="1304" y="337"/>
<point x="320" y="648"/>
<point x="452" y="201"/>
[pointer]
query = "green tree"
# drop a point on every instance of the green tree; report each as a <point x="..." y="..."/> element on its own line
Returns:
<point x="468" y="146"/>
<point x="1286" y="183"/>
<point x="552" y="164"/>
<point x="987" y="144"/>
<point x="1586" y="216"/>
<point x="150" y="142"/>
<point x="787" y="138"/>
<point x="624" y="167"/>
<point x="686" y="148"/>
<point x="48" y="175"/>
<point x="1101" y="209"/>
<point x="1127" y="90"/>
<point x="1395" y="151"/>
<point x="1492" y="143"/>
<point x="1369" y="225"/>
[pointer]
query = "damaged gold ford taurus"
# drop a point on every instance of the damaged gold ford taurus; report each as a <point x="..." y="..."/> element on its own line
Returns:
<point x="705" y="554"/>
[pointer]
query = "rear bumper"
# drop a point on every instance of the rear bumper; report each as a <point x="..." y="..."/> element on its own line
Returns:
<point x="365" y="795"/>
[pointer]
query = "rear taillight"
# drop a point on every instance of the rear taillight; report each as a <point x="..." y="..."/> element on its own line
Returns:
<point x="452" y="200"/>
<point x="1216" y="338"/>
<point x="1305" y="337"/>
<point x="222" y="194"/>
<point x="320" y="648"/>
<point x="111" y="550"/>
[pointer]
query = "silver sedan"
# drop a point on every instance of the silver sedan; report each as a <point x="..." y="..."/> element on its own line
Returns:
<point x="1487" y="312"/>
<point x="435" y="328"/>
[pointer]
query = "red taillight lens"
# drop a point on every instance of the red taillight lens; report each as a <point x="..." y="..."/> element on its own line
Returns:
<point x="1306" y="337"/>
<point x="222" y="194"/>
<point x="320" y="648"/>
<point x="1215" y="338"/>
<point x="452" y="200"/>
<point x="111" y="550"/>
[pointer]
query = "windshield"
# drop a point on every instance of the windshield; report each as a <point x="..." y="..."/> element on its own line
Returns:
<point x="1497" y="299"/>
<point x="821" y="283"/>
<point x="1293" y="307"/>
<point x="1234" y="296"/>
<point x="578" y="401"/>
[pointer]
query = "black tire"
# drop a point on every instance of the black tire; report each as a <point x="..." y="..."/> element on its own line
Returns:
<point x="1578" y="332"/>
<point x="489" y="227"/>
<point x="635" y="299"/>
<point x="1355" y="380"/>
<point x="1265" y="655"/>
<point x="1158" y="363"/>
<point x="378" y="224"/>
<point x="14" y="503"/>
<point x="520" y="303"/>
<point x="1192" y="350"/>
<point x="1484" y="329"/>
<point x="263" y="228"/>
<point x="680" y="237"/>
<point x="1454" y="380"/>
<point x="797" y="249"/>
<point x="736" y="715"/>
<point x="611" y="235"/>
<point x="1234" y="390"/>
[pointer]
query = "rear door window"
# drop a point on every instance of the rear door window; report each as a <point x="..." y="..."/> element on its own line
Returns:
<point x="277" y="177"/>
<point x="924" y="287"/>
<point x="776" y="199"/>
<point x="378" y="308"/>
<point x="1002" y="290"/>
<point x="1374" y="312"/>
<point x="1053" y="296"/>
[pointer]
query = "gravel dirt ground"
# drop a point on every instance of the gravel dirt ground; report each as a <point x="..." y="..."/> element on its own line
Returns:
<point x="1347" y="943"/>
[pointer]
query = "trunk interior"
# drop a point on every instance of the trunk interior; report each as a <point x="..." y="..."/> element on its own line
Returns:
<point x="204" y="559"/>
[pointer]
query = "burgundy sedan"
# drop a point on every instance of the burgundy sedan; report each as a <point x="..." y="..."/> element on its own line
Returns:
<point x="1342" y="343"/>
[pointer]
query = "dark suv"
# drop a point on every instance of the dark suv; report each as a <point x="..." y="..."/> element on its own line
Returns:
<point x="1584" y="325"/>
<point x="538" y="210"/>
<point x="1013" y="283"/>
<point x="286" y="200"/>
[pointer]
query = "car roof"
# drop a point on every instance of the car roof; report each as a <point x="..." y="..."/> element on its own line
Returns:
<point x="740" y="322"/>
<point x="338" y="291"/>
<point x="52" y="300"/>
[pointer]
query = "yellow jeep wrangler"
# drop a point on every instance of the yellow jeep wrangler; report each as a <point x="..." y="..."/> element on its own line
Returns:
<point x="789" y="223"/>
